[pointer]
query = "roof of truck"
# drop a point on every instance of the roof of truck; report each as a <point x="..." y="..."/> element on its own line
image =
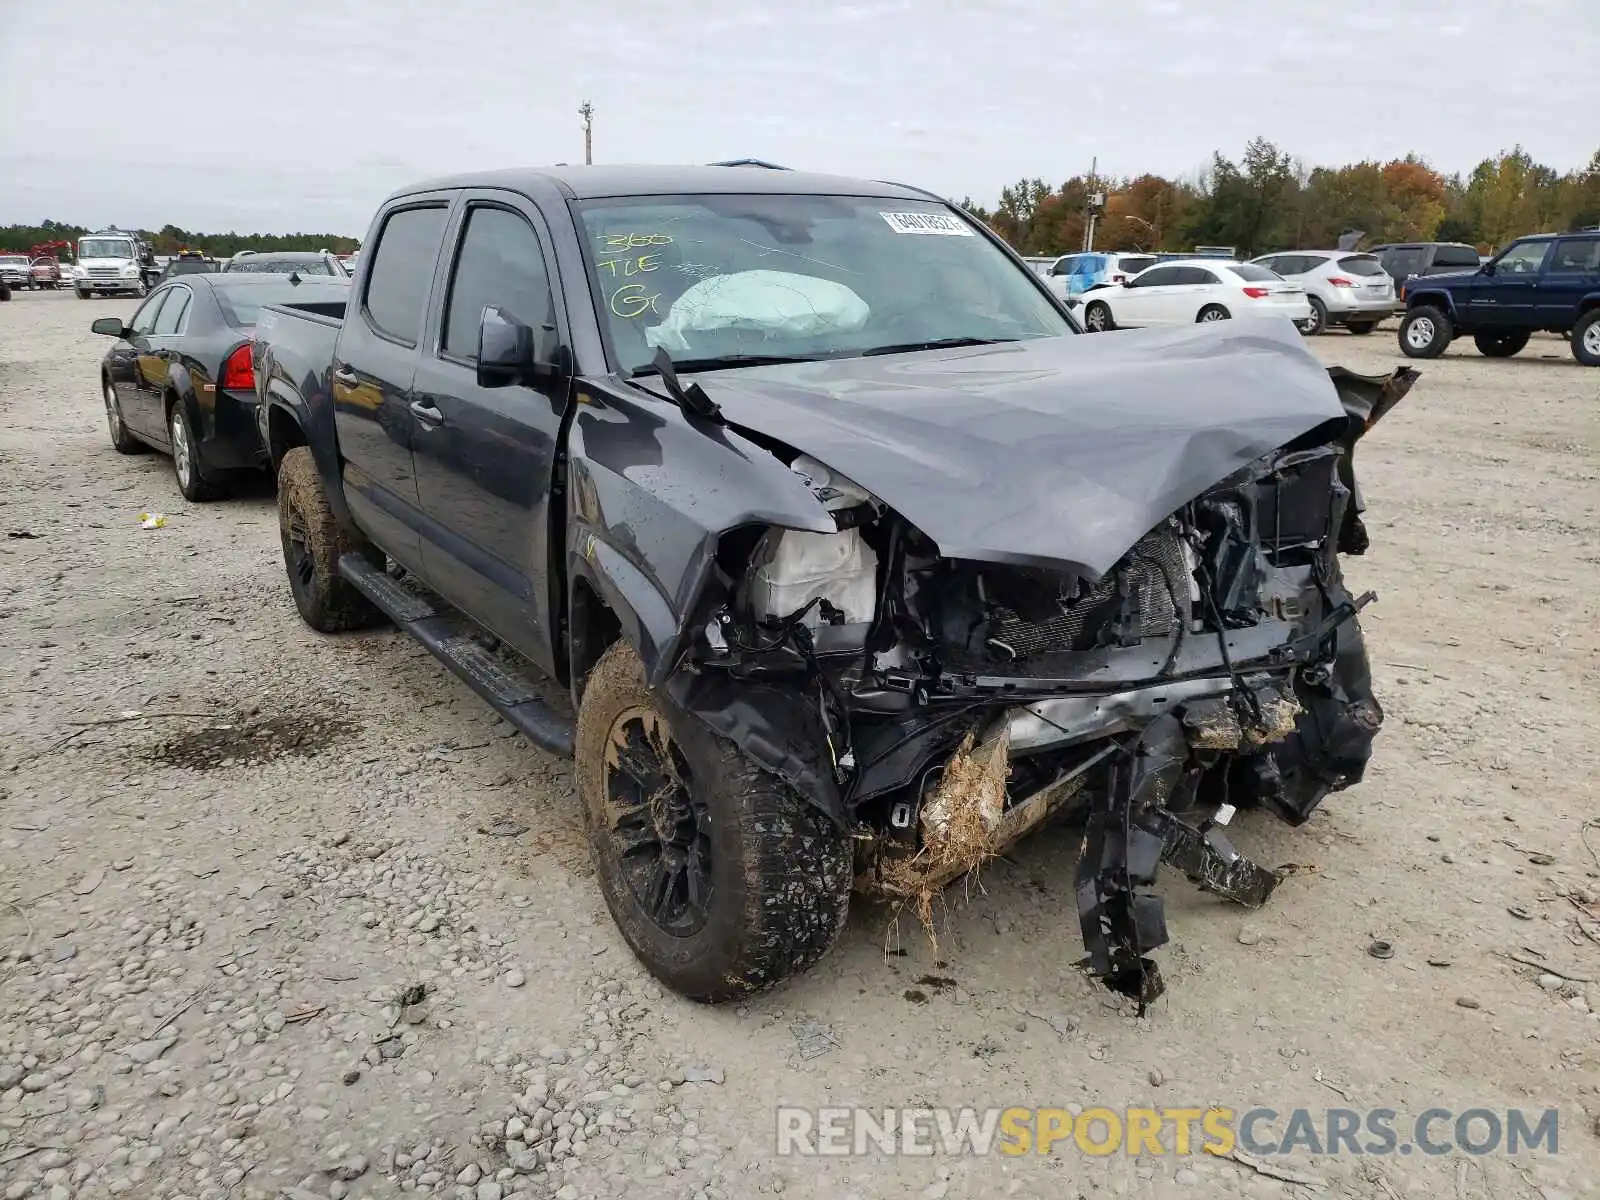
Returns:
<point x="586" y="183"/>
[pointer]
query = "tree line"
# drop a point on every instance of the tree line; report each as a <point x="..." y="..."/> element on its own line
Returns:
<point x="169" y="239"/>
<point x="1270" y="201"/>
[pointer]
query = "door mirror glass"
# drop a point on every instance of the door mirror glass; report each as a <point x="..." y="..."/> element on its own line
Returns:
<point x="510" y="352"/>
<point x="109" y="327"/>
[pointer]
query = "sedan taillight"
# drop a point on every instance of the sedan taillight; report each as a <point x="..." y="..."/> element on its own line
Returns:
<point x="238" y="375"/>
<point x="1256" y="293"/>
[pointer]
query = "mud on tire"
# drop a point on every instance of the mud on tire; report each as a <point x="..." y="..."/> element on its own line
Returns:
<point x="779" y="871"/>
<point x="313" y="543"/>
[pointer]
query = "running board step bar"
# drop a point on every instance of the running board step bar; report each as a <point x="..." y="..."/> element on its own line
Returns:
<point x="449" y="638"/>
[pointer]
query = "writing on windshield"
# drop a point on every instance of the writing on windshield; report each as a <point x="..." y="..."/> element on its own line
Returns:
<point x="711" y="277"/>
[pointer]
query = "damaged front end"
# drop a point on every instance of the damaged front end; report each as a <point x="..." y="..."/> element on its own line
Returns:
<point x="942" y="707"/>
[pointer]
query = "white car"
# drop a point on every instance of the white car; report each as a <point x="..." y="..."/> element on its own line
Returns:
<point x="1191" y="290"/>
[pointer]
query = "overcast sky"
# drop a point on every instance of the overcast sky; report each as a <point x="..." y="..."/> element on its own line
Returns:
<point x="285" y="115"/>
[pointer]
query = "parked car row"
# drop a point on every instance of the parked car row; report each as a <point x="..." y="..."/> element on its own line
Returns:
<point x="923" y="537"/>
<point x="1194" y="291"/>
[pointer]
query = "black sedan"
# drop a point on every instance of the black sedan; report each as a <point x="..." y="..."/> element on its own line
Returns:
<point x="179" y="377"/>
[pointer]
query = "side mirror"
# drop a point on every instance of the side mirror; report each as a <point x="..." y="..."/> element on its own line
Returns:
<point x="1486" y="269"/>
<point x="510" y="352"/>
<point x="110" y="327"/>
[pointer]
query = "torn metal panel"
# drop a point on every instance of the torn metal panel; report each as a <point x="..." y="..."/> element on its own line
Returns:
<point x="1052" y="452"/>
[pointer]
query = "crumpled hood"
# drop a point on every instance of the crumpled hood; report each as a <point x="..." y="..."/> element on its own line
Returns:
<point x="1055" y="452"/>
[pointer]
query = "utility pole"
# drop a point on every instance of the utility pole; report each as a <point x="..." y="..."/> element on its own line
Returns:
<point x="587" y="113"/>
<point x="1097" y="201"/>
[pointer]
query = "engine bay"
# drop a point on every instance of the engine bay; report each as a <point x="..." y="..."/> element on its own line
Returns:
<point x="944" y="707"/>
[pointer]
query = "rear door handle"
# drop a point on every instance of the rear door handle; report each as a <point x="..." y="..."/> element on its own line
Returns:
<point x="425" y="412"/>
<point x="346" y="376"/>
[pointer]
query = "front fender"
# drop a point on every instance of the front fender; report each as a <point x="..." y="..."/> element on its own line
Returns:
<point x="1432" y="298"/>
<point x="650" y="497"/>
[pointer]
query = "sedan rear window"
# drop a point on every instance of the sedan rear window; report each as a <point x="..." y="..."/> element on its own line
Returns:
<point x="1251" y="273"/>
<point x="1361" y="264"/>
<point x="280" y="266"/>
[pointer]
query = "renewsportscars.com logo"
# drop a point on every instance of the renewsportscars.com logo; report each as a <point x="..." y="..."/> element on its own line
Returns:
<point x="1101" y="1131"/>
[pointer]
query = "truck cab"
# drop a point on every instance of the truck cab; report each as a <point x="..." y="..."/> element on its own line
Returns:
<point x="112" y="263"/>
<point x="1546" y="282"/>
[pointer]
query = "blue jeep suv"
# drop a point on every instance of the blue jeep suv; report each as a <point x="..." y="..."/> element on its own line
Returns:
<point x="1549" y="281"/>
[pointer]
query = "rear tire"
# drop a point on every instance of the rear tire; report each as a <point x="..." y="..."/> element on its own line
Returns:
<point x="722" y="879"/>
<point x="313" y="542"/>
<point x="1360" y="328"/>
<point x="1499" y="345"/>
<point x="1586" y="338"/>
<point x="1424" y="332"/>
<point x="1211" y="313"/>
<point x="1097" y="317"/>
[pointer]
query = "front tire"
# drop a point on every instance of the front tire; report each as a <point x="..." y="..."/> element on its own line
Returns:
<point x="122" y="441"/>
<point x="1097" y="317"/>
<point x="1317" y="322"/>
<point x="1499" y="345"/>
<point x="722" y="879"/>
<point x="186" y="457"/>
<point x="82" y="295"/>
<point x="313" y="543"/>
<point x="1211" y="313"/>
<point x="1424" y="332"/>
<point x="1586" y="339"/>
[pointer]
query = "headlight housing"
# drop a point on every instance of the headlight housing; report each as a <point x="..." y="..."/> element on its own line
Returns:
<point x="129" y="272"/>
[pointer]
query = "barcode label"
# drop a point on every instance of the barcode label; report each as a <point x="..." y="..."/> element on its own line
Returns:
<point x="938" y="223"/>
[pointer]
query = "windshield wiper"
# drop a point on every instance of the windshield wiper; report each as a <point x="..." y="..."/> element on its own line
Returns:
<point x="934" y="344"/>
<point x="722" y="361"/>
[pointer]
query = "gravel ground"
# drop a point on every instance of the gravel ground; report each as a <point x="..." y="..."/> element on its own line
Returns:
<point x="284" y="915"/>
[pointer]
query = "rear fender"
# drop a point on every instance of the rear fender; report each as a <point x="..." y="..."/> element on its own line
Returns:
<point x="287" y="421"/>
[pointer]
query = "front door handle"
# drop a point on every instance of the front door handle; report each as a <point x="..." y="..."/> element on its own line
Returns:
<point x="345" y="376"/>
<point x="425" y="412"/>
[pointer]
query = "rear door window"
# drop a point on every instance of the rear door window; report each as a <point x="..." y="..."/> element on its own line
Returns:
<point x="1581" y="255"/>
<point x="402" y="271"/>
<point x="1158" y="277"/>
<point x="172" y="313"/>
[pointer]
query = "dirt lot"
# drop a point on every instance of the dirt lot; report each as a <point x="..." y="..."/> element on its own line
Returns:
<point x="284" y="914"/>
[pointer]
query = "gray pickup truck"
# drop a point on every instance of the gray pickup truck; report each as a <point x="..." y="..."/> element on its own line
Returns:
<point x="796" y="509"/>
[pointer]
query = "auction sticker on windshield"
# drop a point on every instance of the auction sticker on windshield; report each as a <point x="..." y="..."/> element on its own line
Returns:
<point x="942" y="223"/>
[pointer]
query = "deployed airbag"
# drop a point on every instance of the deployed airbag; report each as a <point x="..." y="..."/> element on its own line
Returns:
<point x="769" y="303"/>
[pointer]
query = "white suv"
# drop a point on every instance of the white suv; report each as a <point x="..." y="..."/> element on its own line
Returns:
<point x="1344" y="287"/>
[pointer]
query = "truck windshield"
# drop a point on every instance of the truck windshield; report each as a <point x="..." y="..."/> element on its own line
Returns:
<point x="105" y="248"/>
<point x="736" y="277"/>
